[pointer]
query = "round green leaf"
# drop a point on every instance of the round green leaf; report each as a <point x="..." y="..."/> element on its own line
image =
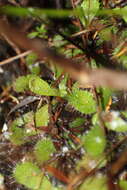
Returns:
<point x="94" y="142"/>
<point x="82" y="101"/>
<point x="43" y="150"/>
<point x="28" y="174"/>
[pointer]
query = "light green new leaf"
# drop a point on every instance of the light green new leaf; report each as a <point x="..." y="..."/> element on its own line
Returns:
<point x="94" y="142"/>
<point x="43" y="150"/>
<point x="19" y="130"/>
<point x="58" y="41"/>
<point x="31" y="59"/>
<point x="90" y="8"/>
<point x="77" y="122"/>
<point x="63" y="86"/>
<point x="21" y="84"/>
<point x="41" y="87"/>
<point x="106" y="96"/>
<point x="82" y="101"/>
<point x="28" y="174"/>
<point x="42" y="116"/>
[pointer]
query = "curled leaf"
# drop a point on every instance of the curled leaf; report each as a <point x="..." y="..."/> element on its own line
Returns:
<point x="41" y="87"/>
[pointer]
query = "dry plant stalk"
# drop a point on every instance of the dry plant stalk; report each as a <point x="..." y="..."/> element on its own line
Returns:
<point x="85" y="76"/>
<point x="15" y="57"/>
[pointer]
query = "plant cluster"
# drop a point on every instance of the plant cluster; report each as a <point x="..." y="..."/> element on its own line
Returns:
<point x="71" y="136"/>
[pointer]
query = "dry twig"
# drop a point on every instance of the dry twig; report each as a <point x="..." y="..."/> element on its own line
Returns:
<point x="96" y="77"/>
<point x="15" y="57"/>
